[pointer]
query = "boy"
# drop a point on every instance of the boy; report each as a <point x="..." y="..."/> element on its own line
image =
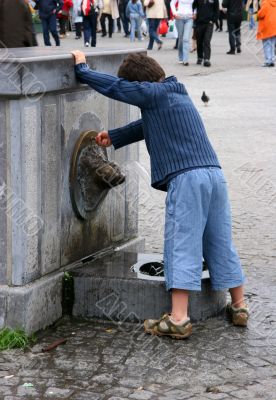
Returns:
<point x="184" y="164"/>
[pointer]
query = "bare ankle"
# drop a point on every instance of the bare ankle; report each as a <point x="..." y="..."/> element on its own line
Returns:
<point x="177" y="318"/>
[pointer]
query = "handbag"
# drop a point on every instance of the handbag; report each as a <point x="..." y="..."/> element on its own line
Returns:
<point x="151" y="3"/>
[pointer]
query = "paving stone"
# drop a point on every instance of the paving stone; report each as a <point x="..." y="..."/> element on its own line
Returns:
<point x="103" y="378"/>
<point x="57" y="393"/>
<point x="27" y="392"/>
<point x="142" y="395"/>
<point x="118" y="391"/>
<point x="11" y="398"/>
<point x="5" y="390"/>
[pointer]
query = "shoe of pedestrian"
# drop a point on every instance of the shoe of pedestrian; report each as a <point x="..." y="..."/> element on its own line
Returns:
<point x="265" y="65"/>
<point x="238" y="50"/>
<point x="231" y="52"/>
<point x="165" y="327"/>
<point x="103" y="34"/>
<point x="207" y="63"/>
<point x="186" y="64"/>
<point x="239" y="316"/>
<point x="160" y="46"/>
<point x="62" y="36"/>
<point x="199" y="61"/>
<point x="271" y="64"/>
<point x="86" y="44"/>
<point x="180" y="62"/>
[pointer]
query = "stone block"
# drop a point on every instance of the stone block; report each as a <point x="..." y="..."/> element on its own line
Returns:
<point x="33" y="306"/>
<point x="108" y="288"/>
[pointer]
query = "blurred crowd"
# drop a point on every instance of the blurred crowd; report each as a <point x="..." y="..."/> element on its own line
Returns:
<point x="191" y="22"/>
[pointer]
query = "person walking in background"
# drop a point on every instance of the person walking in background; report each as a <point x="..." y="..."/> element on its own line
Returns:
<point x="252" y="8"/>
<point x="110" y="12"/>
<point x="234" y="20"/>
<point x="155" y="11"/>
<point x="183" y="15"/>
<point x="16" y="26"/>
<point x="90" y="11"/>
<point x="267" y="30"/>
<point x="77" y="18"/>
<point x="219" y="21"/>
<point x="63" y="17"/>
<point x="134" y="12"/>
<point x="122" y="12"/>
<point x="207" y="12"/>
<point x="31" y="5"/>
<point x="48" y="10"/>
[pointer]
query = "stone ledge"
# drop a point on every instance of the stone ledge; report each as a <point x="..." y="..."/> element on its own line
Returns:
<point x="108" y="288"/>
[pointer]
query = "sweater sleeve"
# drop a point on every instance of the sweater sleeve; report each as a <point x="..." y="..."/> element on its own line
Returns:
<point x="59" y="5"/>
<point x="128" y="134"/>
<point x="173" y="8"/>
<point x="140" y="94"/>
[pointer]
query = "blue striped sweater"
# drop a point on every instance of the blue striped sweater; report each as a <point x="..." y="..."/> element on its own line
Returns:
<point x="171" y="126"/>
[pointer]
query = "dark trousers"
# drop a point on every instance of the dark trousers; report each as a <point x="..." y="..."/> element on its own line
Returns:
<point x="78" y="26"/>
<point x="204" y="34"/>
<point x="124" y="19"/>
<point x="110" y="24"/>
<point x="219" y="21"/>
<point x="153" y="35"/>
<point x="62" y="26"/>
<point x="50" y="24"/>
<point x="234" y="29"/>
<point x="90" y="28"/>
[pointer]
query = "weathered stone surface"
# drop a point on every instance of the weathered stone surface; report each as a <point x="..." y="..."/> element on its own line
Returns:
<point x="39" y="70"/>
<point x="57" y="393"/>
<point x="3" y="193"/>
<point x="38" y="134"/>
<point x="108" y="288"/>
<point x="35" y="306"/>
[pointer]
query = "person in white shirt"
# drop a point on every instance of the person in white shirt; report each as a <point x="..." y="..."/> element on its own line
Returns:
<point x="183" y="15"/>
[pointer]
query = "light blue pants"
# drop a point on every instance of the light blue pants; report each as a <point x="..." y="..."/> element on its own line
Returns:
<point x="184" y="28"/>
<point x="252" y="23"/>
<point x="198" y="223"/>
<point x="269" y="49"/>
<point x="135" y="25"/>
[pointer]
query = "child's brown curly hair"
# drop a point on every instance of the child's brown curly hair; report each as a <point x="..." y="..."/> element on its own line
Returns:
<point x="141" y="68"/>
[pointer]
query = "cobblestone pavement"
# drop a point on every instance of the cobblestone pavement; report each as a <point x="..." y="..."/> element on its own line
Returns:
<point x="105" y="361"/>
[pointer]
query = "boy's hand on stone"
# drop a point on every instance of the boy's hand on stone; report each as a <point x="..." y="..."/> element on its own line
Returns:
<point x="79" y="57"/>
<point x="103" y="139"/>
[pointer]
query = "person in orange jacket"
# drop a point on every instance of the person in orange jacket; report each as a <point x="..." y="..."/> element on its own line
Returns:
<point x="63" y="17"/>
<point x="267" y="30"/>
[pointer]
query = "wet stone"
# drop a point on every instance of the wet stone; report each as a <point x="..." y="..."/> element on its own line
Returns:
<point x="103" y="379"/>
<point x="56" y="393"/>
<point x="142" y="395"/>
<point x="27" y="392"/>
<point x="118" y="391"/>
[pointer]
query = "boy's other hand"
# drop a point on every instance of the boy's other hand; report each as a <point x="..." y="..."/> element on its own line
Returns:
<point x="103" y="139"/>
<point x="79" y="57"/>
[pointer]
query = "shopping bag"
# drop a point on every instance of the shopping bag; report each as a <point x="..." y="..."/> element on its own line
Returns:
<point x="163" y="27"/>
<point x="172" y="31"/>
<point x="144" y="27"/>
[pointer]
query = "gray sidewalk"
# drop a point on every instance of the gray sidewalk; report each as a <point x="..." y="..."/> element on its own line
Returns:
<point x="107" y="361"/>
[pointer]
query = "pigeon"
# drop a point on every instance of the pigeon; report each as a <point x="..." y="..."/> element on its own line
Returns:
<point x="205" y="98"/>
